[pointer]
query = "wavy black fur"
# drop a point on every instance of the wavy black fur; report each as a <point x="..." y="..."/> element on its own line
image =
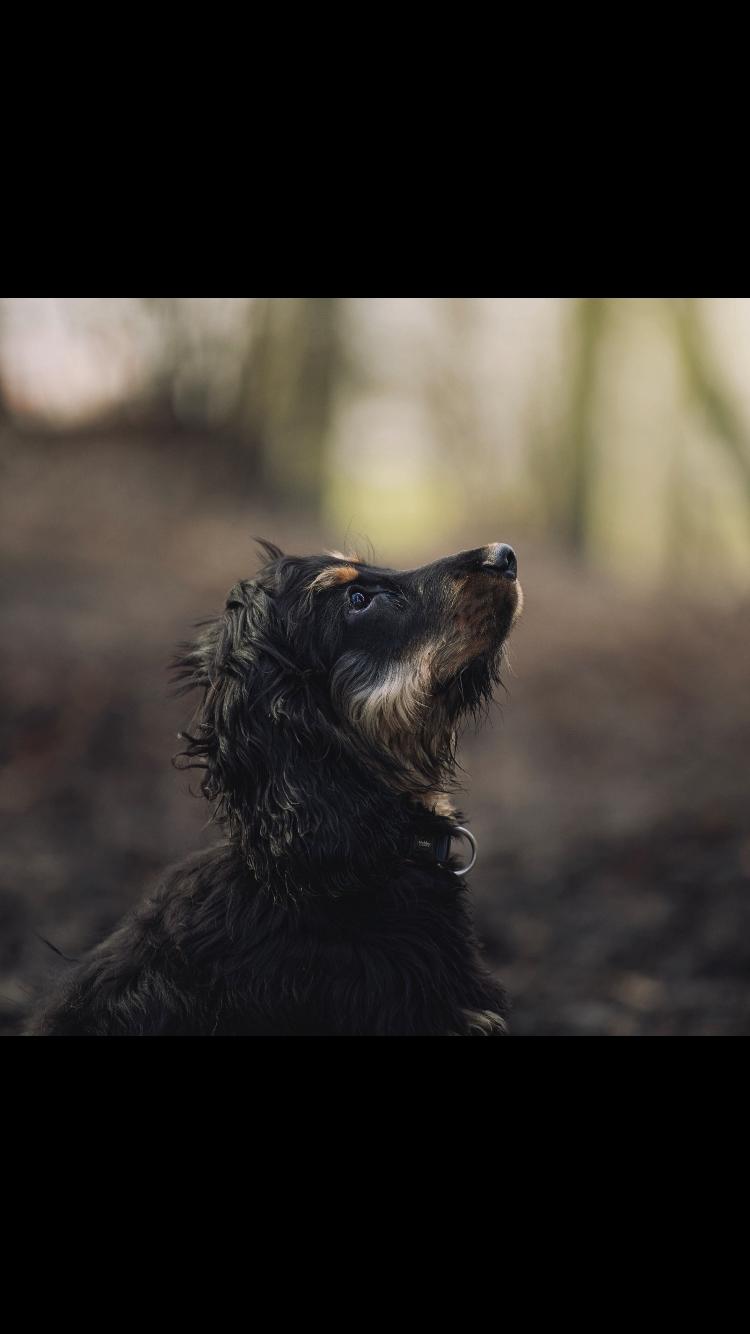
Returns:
<point x="312" y="917"/>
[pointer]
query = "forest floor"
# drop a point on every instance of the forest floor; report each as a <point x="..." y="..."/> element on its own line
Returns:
<point x="608" y="792"/>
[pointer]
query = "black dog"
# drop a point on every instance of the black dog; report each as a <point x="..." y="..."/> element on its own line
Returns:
<point x="331" y="695"/>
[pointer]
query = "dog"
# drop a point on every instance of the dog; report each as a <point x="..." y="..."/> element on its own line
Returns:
<point x="332" y="693"/>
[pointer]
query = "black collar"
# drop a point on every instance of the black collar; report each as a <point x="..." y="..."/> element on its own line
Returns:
<point x="437" y="847"/>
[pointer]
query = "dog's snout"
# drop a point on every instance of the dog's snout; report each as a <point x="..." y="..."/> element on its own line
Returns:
<point x="502" y="558"/>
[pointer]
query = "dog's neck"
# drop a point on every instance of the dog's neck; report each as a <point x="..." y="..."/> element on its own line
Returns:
<point x="333" y="827"/>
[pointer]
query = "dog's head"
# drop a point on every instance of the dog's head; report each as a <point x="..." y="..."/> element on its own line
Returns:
<point x="330" y="663"/>
<point x="407" y="652"/>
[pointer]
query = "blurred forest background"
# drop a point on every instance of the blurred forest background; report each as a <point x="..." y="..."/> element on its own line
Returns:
<point x="143" y="441"/>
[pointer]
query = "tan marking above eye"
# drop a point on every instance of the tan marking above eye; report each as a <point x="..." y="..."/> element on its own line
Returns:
<point x="335" y="574"/>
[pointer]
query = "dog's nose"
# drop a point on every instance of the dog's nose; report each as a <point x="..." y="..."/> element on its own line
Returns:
<point x="502" y="558"/>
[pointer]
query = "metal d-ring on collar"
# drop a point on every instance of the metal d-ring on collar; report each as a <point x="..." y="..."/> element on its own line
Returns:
<point x="438" y="846"/>
<point x="459" y="829"/>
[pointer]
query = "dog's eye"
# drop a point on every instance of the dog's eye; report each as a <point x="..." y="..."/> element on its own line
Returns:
<point x="358" y="600"/>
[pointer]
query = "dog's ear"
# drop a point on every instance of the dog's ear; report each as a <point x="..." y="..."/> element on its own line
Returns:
<point x="222" y="662"/>
<point x="255" y="698"/>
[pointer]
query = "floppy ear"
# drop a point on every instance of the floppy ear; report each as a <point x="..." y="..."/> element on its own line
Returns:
<point x="259" y="729"/>
<point x="223" y="663"/>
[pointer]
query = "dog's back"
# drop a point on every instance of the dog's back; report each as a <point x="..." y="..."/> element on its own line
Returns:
<point x="209" y="955"/>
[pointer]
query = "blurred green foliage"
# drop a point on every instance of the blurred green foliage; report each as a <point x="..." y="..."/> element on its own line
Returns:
<point x="617" y="427"/>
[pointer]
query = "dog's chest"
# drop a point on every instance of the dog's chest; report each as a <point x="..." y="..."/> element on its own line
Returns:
<point x="382" y="967"/>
